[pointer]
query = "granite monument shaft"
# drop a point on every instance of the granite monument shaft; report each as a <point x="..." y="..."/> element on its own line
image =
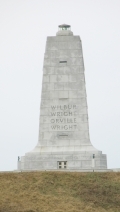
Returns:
<point x="64" y="141"/>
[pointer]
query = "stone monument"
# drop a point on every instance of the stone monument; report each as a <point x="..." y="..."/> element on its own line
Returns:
<point x="64" y="142"/>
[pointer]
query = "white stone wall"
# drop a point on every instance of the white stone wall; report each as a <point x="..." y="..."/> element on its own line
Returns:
<point x="63" y="113"/>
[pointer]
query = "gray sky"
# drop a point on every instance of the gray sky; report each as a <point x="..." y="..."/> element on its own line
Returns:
<point x="24" y="26"/>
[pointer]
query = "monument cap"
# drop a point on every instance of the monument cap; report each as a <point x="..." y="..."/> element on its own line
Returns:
<point x="64" y="29"/>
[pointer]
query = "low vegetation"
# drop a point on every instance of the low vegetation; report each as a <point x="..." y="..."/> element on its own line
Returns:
<point x="59" y="192"/>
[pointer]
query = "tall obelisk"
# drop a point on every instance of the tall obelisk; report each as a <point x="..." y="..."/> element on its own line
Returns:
<point x="64" y="142"/>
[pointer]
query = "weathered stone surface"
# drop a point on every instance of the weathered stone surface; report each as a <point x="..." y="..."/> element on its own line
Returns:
<point x="63" y="128"/>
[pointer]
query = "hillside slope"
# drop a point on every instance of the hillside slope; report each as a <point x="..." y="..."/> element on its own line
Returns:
<point x="59" y="191"/>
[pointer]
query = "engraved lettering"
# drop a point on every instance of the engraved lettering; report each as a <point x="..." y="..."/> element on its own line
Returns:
<point x="52" y="120"/>
<point x="70" y="127"/>
<point x="69" y="106"/>
<point x="53" y="127"/>
<point x="53" y="107"/>
<point x="62" y="127"/>
<point x="65" y="107"/>
<point x="58" y="113"/>
<point x="53" y="114"/>
<point x="58" y="107"/>
<point x="61" y="120"/>
<point x="66" y="127"/>
<point x="57" y="121"/>
<point x="63" y="112"/>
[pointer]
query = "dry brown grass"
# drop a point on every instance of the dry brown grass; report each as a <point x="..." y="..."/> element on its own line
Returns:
<point x="59" y="192"/>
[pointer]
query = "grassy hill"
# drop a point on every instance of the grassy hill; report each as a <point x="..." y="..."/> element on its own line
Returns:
<point x="59" y="192"/>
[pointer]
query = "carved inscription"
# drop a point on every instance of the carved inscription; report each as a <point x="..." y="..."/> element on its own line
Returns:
<point x="63" y="118"/>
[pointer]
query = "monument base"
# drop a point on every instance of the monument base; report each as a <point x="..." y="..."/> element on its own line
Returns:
<point x="77" y="160"/>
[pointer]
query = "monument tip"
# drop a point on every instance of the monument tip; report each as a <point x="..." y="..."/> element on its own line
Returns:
<point x="64" y="27"/>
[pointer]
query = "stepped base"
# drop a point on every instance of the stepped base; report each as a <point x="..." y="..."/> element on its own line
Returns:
<point x="80" y="161"/>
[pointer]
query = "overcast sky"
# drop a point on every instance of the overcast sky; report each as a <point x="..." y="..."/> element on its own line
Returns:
<point x="24" y="26"/>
